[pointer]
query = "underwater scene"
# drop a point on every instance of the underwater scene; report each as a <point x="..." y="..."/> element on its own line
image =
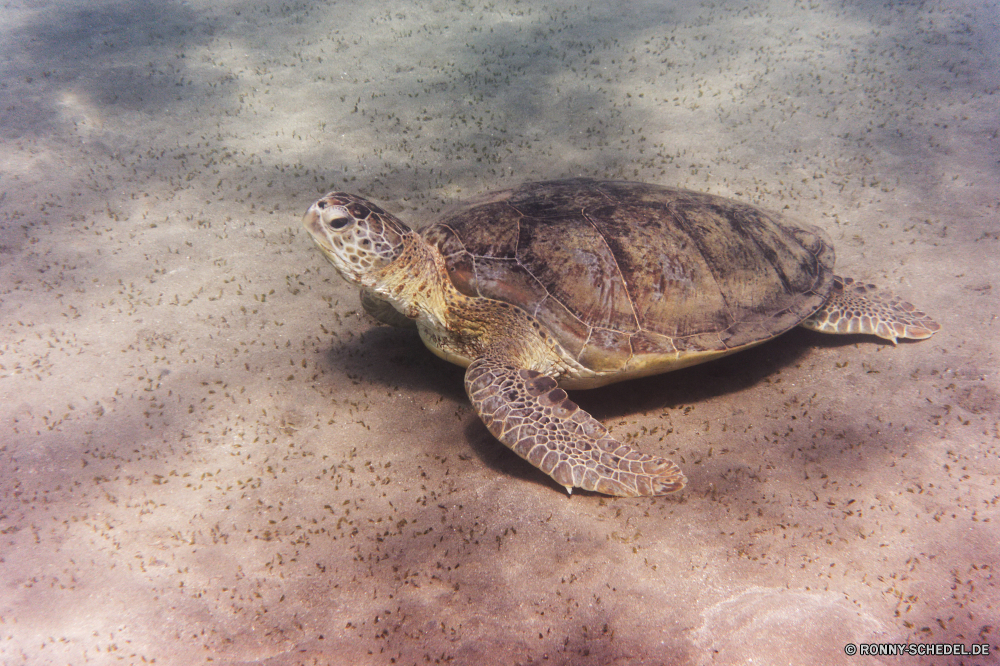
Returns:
<point x="214" y="450"/>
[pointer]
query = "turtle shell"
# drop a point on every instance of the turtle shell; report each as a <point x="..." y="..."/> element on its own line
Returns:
<point x="629" y="276"/>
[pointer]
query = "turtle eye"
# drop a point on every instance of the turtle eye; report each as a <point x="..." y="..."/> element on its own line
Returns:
<point x="338" y="218"/>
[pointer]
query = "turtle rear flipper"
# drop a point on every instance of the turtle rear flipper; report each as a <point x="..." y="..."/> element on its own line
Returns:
<point x="527" y="411"/>
<point x="854" y="307"/>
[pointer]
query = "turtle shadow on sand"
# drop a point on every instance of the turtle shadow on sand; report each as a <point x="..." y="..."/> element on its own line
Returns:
<point x="727" y="378"/>
<point x="394" y="358"/>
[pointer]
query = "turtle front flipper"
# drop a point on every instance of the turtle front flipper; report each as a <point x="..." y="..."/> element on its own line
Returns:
<point x="527" y="411"/>
<point x="854" y="307"/>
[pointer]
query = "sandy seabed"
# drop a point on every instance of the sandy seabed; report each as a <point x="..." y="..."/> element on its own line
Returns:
<point x="209" y="454"/>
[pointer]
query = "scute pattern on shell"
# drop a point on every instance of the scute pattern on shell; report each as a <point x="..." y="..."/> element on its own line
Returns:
<point x="620" y="272"/>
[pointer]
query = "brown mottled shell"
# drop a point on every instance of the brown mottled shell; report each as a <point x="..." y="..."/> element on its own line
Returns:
<point x="623" y="273"/>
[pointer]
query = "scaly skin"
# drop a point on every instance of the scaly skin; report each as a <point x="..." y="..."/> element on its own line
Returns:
<point x="513" y="363"/>
<point x="854" y="307"/>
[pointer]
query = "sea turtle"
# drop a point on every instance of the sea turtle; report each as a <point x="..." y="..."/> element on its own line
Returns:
<point x="580" y="283"/>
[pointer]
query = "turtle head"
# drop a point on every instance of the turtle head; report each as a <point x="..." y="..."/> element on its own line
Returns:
<point x="358" y="237"/>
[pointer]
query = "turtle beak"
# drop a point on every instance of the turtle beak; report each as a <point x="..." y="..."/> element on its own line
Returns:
<point x="313" y="222"/>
